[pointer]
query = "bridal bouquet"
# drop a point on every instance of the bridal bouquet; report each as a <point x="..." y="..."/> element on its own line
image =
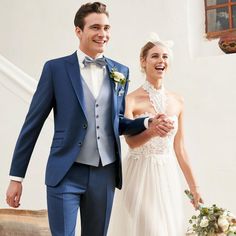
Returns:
<point x="212" y="221"/>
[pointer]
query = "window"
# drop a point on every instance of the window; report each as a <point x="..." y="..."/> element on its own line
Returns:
<point x="220" y="17"/>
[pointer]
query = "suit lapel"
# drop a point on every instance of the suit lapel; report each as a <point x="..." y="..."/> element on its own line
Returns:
<point x="73" y="69"/>
<point x="110" y="66"/>
<point x="75" y="76"/>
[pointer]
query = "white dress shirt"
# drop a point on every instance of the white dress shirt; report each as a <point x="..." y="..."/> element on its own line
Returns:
<point x="92" y="74"/>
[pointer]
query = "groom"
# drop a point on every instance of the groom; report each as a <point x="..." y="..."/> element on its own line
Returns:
<point x="84" y="164"/>
<point x="87" y="97"/>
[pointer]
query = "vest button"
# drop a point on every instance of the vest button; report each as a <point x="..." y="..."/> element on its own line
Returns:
<point x="97" y="116"/>
<point x="96" y="105"/>
<point x="98" y="137"/>
<point x="85" y="126"/>
<point x="80" y="143"/>
<point x="97" y="127"/>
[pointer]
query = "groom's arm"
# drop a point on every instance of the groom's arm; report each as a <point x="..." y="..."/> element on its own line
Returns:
<point x="129" y="126"/>
<point x="40" y="107"/>
<point x="133" y="127"/>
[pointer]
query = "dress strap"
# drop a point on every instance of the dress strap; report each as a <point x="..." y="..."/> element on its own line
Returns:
<point x="157" y="97"/>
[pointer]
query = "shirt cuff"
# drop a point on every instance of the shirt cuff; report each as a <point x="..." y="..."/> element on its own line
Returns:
<point x="15" y="178"/>
<point x="146" y="122"/>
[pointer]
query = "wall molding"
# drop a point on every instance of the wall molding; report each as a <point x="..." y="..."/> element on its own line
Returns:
<point x="19" y="77"/>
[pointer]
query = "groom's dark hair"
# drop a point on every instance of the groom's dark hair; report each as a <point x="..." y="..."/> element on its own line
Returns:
<point x="86" y="9"/>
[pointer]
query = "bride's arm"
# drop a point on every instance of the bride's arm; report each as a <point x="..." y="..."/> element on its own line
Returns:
<point x="183" y="160"/>
<point x="140" y="139"/>
<point x="157" y="127"/>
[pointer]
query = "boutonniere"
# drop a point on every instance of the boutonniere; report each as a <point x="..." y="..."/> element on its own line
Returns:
<point x="117" y="77"/>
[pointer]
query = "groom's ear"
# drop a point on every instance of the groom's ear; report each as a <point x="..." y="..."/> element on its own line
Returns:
<point x="78" y="32"/>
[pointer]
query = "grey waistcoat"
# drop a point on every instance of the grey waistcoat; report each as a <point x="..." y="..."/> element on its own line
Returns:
<point x="99" y="140"/>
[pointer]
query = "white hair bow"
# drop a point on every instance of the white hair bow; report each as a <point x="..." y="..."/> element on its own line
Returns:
<point x="154" y="38"/>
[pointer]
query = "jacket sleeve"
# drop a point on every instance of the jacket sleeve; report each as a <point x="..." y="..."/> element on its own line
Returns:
<point x="40" y="107"/>
<point x="129" y="126"/>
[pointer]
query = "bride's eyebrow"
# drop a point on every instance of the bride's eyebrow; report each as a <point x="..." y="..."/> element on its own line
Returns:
<point x="158" y="54"/>
<point x="155" y="54"/>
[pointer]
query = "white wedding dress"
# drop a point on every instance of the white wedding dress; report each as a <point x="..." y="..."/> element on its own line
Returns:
<point x="150" y="202"/>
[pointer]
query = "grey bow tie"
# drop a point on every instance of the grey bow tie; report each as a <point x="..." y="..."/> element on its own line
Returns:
<point x="99" y="61"/>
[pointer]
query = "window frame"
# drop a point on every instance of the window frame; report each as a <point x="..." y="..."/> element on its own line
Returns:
<point x="217" y="34"/>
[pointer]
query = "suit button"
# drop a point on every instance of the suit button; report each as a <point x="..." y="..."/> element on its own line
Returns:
<point x="97" y="127"/>
<point x="85" y="126"/>
<point x="96" y="105"/>
<point x="97" y="116"/>
<point x="98" y="137"/>
<point x="80" y="143"/>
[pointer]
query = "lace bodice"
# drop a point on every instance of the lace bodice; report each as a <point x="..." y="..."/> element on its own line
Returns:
<point x="156" y="145"/>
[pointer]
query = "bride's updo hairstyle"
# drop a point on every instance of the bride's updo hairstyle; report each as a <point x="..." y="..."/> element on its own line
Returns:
<point x="153" y="41"/>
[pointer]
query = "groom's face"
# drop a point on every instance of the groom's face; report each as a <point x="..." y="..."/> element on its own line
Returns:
<point x="95" y="34"/>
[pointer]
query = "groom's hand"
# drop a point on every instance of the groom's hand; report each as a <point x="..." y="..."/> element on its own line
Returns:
<point x="13" y="194"/>
<point x="160" y="125"/>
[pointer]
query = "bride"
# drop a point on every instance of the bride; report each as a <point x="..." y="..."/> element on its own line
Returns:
<point x="150" y="204"/>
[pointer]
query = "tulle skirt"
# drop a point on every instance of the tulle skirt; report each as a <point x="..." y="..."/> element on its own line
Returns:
<point x="150" y="202"/>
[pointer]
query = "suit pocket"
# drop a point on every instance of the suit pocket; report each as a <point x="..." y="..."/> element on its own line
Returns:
<point x="57" y="142"/>
<point x="58" y="139"/>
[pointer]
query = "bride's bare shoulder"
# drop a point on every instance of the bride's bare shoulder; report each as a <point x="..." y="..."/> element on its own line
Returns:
<point x="136" y="94"/>
<point x="175" y="96"/>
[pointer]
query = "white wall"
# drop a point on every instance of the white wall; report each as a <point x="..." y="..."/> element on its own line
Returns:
<point x="33" y="31"/>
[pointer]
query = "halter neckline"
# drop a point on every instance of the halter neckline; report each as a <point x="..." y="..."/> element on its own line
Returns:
<point x="157" y="97"/>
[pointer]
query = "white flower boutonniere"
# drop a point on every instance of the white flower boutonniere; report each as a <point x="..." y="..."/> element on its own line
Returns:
<point x="117" y="77"/>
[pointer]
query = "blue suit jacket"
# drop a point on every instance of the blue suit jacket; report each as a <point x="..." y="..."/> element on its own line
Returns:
<point x="60" y="89"/>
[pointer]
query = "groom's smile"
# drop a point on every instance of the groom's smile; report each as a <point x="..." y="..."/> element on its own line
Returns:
<point x="95" y="34"/>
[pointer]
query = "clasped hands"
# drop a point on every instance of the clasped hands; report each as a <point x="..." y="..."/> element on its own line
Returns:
<point x="160" y="125"/>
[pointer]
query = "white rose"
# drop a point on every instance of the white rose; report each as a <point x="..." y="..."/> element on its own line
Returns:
<point x="225" y="213"/>
<point x="231" y="216"/>
<point x="118" y="76"/>
<point x="204" y="222"/>
<point x="232" y="228"/>
<point x="223" y="223"/>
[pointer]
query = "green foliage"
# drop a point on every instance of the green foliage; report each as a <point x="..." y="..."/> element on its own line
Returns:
<point x="212" y="221"/>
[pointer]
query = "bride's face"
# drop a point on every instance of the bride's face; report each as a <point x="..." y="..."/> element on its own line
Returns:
<point x="156" y="62"/>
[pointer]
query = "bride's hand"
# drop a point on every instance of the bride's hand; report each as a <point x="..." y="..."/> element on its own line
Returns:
<point x="162" y="125"/>
<point x="197" y="199"/>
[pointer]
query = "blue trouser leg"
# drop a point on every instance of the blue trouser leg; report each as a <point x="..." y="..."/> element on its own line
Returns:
<point x="96" y="203"/>
<point x="91" y="189"/>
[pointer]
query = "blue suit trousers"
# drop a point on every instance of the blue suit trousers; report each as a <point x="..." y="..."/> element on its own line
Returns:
<point x="86" y="187"/>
